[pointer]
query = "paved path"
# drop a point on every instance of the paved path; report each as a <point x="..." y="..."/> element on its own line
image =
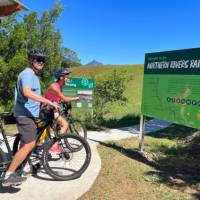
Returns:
<point x="35" y="188"/>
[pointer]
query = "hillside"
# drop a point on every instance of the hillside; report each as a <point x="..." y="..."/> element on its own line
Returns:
<point x="94" y="63"/>
<point x="120" y="114"/>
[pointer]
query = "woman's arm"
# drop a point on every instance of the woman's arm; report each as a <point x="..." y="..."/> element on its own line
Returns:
<point x="60" y="95"/>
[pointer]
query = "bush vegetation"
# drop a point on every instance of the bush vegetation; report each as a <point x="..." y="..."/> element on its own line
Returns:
<point x="18" y="35"/>
<point x="117" y="97"/>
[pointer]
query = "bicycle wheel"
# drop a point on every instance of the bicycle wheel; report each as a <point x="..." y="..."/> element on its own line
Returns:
<point x="4" y="162"/>
<point x="77" y="127"/>
<point x="16" y="144"/>
<point x="2" y="169"/>
<point x="67" y="164"/>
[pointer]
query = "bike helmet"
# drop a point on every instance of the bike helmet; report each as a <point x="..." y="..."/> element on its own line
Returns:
<point x="62" y="72"/>
<point x="37" y="54"/>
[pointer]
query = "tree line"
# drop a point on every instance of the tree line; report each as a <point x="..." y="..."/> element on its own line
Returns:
<point x="18" y="35"/>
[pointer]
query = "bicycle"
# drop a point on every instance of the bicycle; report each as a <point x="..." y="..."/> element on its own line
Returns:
<point x="75" y="125"/>
<point x="66" y="165"/>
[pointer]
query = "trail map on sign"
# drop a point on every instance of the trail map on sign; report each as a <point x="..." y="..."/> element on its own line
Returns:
<point x="171" y="86"/>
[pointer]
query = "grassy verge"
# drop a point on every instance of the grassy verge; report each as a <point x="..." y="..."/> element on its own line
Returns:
<point x="168" y="169"/>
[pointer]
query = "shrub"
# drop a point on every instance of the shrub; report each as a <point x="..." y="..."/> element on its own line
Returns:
<point x="109" y="88"/>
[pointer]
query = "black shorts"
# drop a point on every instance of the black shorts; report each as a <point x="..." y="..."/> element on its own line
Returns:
<point x="27" y="129"/>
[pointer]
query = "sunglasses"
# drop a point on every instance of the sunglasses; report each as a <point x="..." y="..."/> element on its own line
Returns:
<point x="39" y="60"/>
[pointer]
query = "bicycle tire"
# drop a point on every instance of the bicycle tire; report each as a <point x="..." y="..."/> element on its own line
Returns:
<point x="16" y="144"/>
<point x="4" y="162"/>
<point x="1" y="163"/>
<point x="78" y="128"/>
<point x="1" y="156"/>
<point x="59" y="166"/>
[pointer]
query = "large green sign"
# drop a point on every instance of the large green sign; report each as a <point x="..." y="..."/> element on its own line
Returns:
<point x="81" y="87"/>
<point x="171" y="86"/>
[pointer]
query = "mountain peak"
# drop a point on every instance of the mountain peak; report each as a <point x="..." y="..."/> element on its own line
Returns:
<point x="94" y="63"/>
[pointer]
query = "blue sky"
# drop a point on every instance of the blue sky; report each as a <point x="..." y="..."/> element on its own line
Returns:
<point x="122" y="31"/>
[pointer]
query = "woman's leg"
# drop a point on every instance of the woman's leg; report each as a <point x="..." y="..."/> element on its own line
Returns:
<point x="62" y="122"/>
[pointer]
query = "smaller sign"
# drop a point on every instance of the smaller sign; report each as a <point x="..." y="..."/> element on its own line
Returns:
<point x="82" y="88"/>
<point x="79" y="87"/>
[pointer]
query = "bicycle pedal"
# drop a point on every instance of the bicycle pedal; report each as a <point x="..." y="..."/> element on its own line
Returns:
<point x="36" y="168"/>
<point x="66" y="155"/>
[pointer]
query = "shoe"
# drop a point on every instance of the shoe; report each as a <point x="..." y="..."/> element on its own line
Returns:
<point x="55" y="149"/>
<point x="12" y="180"/>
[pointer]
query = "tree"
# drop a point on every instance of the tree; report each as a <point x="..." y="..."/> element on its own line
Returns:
<point x="12" y="58"/>
<point x="18" y="37"/>
<point x="70" y="58"/>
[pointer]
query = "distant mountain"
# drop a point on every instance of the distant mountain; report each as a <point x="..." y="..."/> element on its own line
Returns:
<point x="94" y="63"/>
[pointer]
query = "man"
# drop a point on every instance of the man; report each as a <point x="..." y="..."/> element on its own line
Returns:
<point x="55" y="94"/>
<point x="27" y="106"/>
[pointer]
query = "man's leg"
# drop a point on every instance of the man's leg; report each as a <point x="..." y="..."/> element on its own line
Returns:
<point x="27" y="129"/>
<point x="11" y="178"/>
<point x="20" y="156"/>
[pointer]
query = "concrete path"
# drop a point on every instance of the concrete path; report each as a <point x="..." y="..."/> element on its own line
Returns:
<point x="48" y="189"/>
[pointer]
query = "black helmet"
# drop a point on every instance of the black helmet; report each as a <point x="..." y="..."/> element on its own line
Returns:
<point x="62" y="72"/>
<point x="37" y="54"/>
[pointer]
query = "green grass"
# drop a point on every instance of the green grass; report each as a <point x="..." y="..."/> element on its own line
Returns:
<point x="167" y="170"/>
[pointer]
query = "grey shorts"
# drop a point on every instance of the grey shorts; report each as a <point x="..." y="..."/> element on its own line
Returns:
<point x="27" y="129"/>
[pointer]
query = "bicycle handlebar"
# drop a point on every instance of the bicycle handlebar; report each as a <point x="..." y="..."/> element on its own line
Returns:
<point x="66" y="105"/>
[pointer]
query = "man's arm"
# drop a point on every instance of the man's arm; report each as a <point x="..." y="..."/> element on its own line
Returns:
<point x="31" y="95"/>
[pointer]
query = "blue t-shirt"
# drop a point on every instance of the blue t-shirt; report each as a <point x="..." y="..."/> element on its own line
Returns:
<point x="24" y="106"/>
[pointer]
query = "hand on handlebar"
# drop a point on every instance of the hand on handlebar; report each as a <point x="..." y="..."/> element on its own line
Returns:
<point x="55" y="105"/>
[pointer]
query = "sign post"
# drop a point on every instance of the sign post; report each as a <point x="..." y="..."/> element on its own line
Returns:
<point x="141" y="135"/>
